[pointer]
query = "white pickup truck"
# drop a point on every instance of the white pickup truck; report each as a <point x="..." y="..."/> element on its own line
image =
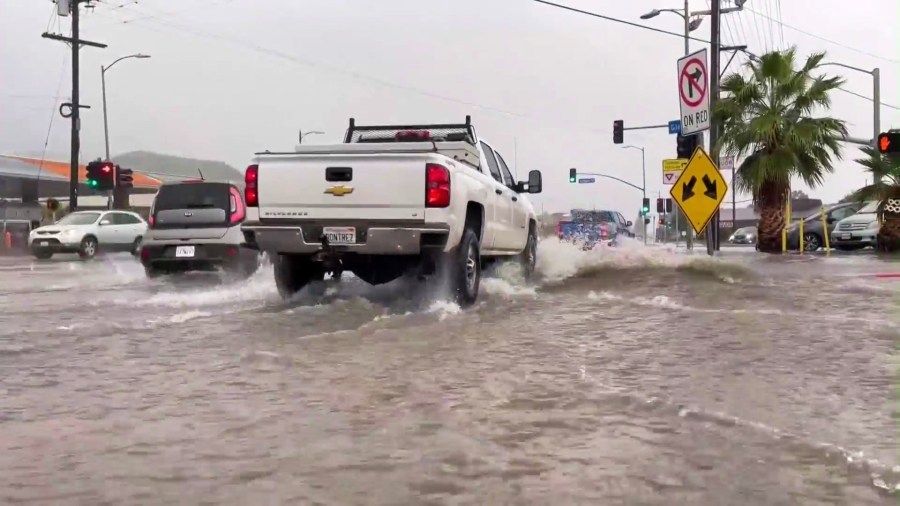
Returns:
<point x="389" y="201"/>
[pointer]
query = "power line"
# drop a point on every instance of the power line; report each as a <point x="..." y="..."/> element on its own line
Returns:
<point x="855" y="94"/>
<point x="618" y="20"/>
<point x="823" y="39"/>
<point x="376" y="80"/>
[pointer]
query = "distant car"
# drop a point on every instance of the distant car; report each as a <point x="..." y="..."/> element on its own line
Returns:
<point x="813" y="230"/>
<point x="743" y="235"/>
<point x="196" y="226"/>
<point x="591" y="227"/>
<point x="87" y="233"/>
<point x="858" y="230"/>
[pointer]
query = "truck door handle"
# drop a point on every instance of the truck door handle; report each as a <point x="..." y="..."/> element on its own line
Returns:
<point x="515" y="199"/>
<point x="498" y="192"/>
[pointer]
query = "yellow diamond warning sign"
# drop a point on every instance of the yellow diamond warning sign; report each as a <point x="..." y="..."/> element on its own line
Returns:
<point x="699" y="190"/>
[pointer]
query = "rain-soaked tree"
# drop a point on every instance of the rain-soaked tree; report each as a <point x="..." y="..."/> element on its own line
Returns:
<point x="768" y="117"/>
<point x="885" y="171"/>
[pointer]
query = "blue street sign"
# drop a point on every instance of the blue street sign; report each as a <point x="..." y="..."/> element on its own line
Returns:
<point x="586" y="180"/>
<point x="675" y="126"/>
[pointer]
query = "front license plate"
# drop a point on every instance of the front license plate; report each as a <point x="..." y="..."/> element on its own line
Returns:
<point x="846" y="237"/>
<point x="340" y="235"/>
<point x="184" y="252"/>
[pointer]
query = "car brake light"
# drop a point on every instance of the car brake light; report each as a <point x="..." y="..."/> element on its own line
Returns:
<point x="437" y="185"/>
<point x="237" y="206"/>
<point x="151" y="221"/>
<point x="251" y="192"/>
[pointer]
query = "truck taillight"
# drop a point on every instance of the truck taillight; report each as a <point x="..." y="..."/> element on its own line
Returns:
<point x="437" y="185"/>
<point x="559" y="230"/>
<point x="151" y="221"/>
<point x="251" y="191"/>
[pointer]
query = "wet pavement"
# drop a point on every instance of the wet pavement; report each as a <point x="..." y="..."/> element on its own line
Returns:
<point x="627" y="376"/>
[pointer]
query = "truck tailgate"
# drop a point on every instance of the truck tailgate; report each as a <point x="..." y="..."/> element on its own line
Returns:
<point x="342" y="186"/>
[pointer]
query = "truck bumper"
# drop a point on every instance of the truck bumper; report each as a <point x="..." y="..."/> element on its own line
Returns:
<point x="378" y="239"/>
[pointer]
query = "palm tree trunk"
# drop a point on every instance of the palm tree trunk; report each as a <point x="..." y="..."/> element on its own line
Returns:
<point x="889" y="235"/>
<point x="771" y="222"/>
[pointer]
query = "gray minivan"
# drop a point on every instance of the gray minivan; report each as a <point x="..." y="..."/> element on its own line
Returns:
<point x="196" y="226"/>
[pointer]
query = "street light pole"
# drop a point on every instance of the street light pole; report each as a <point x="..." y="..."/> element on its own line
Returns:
<point x="876" y="95"/>
<point x="103" y="84"/>
<point x="644" y="179"/>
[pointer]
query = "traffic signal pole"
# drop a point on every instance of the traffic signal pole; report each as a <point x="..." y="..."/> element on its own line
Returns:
<point x="712" y="229"/>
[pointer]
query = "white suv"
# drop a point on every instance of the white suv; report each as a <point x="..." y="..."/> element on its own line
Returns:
<point x="87" y="232"/>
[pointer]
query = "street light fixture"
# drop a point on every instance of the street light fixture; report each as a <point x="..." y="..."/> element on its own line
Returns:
<point x="311" y="132"/>
<point x="103" y="82"/>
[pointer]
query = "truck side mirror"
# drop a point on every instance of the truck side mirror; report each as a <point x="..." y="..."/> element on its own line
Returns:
<point x="534" y="181"/>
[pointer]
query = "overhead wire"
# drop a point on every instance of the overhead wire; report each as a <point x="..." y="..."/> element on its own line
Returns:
<point x="823" y="39"/>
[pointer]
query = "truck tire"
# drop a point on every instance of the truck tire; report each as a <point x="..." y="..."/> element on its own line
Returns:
<point x="462" y="267"/>
<point x="528" y="256"/>
<point x="292" y="273"/>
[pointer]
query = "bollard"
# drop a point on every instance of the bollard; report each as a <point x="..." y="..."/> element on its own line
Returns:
<point x="784" y="240"/>
<point x="8" y="240"/>
<point x="801" y="237"/>
<point x="827" y="234"/>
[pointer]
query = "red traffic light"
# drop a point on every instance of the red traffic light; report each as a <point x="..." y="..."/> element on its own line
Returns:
<point x="106" y="167"/>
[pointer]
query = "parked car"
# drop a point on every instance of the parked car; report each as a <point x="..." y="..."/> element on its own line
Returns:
<point x="389" y="201"/>
<point x="589" y="228"/>
<point x="743" y="235"/>
<point x="196" y="226"/>
<point x="858" y="230"/>
<point x="89" y="232"/>
<point x="813" y="229"/>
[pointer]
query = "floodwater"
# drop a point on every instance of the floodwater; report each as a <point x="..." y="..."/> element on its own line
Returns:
<point x="635" y="375"/>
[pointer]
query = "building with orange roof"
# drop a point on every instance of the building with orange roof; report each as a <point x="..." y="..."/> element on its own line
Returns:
<point x="30" y="179"/>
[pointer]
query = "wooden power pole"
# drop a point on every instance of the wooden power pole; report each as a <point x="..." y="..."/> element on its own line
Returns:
<point x="72" y="109"/>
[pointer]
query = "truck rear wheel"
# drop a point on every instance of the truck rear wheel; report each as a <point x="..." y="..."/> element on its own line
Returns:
<point x="292" y="273"/>
<point x="463" y="269"/>
<point x="528" y="256"/>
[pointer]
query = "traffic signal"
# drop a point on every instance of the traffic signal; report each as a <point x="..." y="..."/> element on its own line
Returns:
<point x="101" y="175"/>
<point x="124" y="178"/>
<point x="645" y="209"/>
<point x="660" y="206"/>
<point x="889" y="142"/>
<point x="686" y="145"/>
<point x="573" y="175"/>
<point x="618" y="131"/>
<point x="668" y="206"/>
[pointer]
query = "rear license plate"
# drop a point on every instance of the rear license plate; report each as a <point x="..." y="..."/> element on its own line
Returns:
<point x="340" y="235"/>
<point x="43" y="244"/>
<point x="184" y="252"/>
<point x="846" y="237"/>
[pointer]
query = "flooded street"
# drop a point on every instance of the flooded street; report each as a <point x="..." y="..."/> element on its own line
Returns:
<point x="632" y="376"/>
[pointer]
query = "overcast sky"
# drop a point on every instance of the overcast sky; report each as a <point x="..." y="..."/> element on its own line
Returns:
<point x="230" y="77"/>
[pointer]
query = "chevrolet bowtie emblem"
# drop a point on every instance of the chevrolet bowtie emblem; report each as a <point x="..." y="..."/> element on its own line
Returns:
<point x="339" y="190"/>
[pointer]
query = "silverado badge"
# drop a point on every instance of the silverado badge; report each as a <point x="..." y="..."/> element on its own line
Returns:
<point x="339" y="190"/>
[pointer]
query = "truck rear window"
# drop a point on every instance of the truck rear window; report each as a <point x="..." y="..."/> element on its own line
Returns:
<point x="193" y="196"/>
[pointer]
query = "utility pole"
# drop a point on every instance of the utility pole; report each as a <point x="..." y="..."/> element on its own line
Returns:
<point x="66" y="7"/>
<point x="712" y="230"/>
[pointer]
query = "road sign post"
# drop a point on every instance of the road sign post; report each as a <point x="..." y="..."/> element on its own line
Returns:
<point x="699" y="190"/>
<point x="693" y="92"/>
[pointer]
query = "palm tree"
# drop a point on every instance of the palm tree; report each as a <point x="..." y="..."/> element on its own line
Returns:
<point x="885" y="171"/>
<point x="767" y="117"/>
